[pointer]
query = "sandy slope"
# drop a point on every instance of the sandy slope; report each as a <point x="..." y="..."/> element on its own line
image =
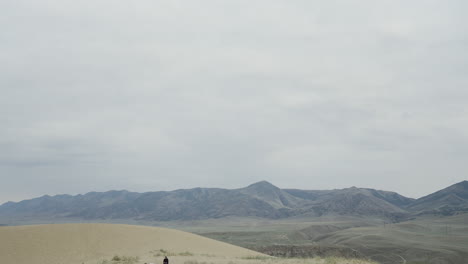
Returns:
<point x="88" y="243"/>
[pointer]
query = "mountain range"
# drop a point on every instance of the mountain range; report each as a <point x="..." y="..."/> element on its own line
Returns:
<point x="261" y="199"/>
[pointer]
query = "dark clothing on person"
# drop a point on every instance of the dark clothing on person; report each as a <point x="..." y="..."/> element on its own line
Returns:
<point x="166" y="260"/>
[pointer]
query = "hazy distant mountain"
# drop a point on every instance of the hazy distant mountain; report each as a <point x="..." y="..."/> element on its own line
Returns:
<point x="261" y="199"/>
<point x="448" y="201"/>
<point x="198" y="203"/>
<point x="352" y="201"/>
<point x="272" y="195"/>
<point x="390" y="197"/>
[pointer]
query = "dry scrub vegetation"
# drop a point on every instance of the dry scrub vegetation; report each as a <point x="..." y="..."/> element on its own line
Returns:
<point x="121" y="260"/>
<point x="156" y="256"/>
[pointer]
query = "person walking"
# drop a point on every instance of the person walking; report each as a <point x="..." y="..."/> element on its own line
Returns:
<point x="166" y="260"/>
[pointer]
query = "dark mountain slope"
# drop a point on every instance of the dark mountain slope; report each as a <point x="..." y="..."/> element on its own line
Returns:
<point x="64" y="204"/>
<point x="392" y="197"/>
<point x="201" y="203"/>
<point x="354" y="201"/>
<point x="261" y="199"/>
<point x="315" y="195"/>
<point x="311" y="195"/>
<point x="198" y="203"/>
<point x="448" y="201"/>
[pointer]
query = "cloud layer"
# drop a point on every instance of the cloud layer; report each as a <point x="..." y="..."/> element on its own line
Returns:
<point x="159" y="95"/>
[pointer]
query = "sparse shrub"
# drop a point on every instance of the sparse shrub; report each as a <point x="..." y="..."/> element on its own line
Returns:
<point x="331" y="260"/>
<point x="121" y="260"/>
<point x="129" y="260"/>
<point x="163" y="252"/>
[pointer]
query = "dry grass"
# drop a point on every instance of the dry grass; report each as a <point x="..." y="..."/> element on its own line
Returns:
<point x="265" y="260"/>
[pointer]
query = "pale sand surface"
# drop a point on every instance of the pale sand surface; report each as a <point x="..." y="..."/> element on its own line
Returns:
<point x="89" y="243"/>
<point x="94" y="243"/>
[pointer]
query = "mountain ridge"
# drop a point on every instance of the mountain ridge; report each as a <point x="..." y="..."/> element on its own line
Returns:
<point x="261" y="199"/>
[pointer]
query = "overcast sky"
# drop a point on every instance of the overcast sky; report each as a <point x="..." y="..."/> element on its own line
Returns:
<point x="160" y="95"/>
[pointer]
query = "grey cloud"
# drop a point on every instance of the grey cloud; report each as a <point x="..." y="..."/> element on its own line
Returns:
<point x="161" y="95"/>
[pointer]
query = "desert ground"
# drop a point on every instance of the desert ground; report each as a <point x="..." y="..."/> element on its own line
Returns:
<point x="126" y="244"/>
<point x="428" y="239"/>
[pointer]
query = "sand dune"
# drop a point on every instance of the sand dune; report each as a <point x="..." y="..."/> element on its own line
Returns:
<point x="89" y="243"/>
